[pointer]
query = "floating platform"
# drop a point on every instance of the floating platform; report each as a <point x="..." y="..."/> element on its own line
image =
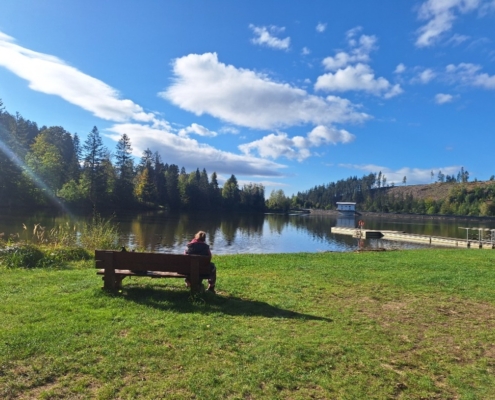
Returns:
<point x="414" y="238"/>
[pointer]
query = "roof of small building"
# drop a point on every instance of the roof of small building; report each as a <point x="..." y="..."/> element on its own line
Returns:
<point x="347" y="203"/>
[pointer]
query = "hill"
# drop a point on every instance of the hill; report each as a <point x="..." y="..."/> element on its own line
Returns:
<point x="433" y="191"/>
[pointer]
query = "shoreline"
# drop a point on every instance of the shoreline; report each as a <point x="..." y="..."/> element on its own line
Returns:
<point x="403" y="216"/>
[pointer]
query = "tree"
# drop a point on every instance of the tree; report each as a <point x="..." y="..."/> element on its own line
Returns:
<point x="404" y="180"/>
<point x="278" y="201"/>
<point x="124" y="186"/>
<point x="441" y="177"/>
<point x="45" y="160"/>
<point x="214" y="192"/>
<point x="172" y="184"/>
<point x="253" y="197"/>
<point x="230" y="193"/>
<point x="93" y="173"/>
<point x="145" y="189"/>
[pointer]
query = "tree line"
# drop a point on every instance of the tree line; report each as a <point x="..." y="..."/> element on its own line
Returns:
<point x="371" y="194"/>
<point x="40" y="167"/>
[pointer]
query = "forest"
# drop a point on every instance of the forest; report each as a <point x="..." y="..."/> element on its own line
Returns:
<point x="48" y="167"/>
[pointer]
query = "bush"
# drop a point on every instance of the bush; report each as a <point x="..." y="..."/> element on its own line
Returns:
<point x="21" y="256"/>
<point x="30" y="256"/>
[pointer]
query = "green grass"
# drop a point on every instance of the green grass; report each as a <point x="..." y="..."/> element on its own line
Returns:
<point x="416" y="324"/>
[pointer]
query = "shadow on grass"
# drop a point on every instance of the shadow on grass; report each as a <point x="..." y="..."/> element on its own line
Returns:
<point x="206" y="303"/>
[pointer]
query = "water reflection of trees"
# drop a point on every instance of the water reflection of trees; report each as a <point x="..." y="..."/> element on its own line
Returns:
<point x="245" y="224"/>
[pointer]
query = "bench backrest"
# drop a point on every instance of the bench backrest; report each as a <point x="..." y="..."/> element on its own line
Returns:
<point x="179" y="263"/>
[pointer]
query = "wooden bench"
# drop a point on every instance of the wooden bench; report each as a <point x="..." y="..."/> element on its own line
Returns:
<point x="116" y="265"/>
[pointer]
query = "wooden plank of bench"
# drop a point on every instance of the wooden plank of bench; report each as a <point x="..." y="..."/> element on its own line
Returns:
<point x="150" y="274"/>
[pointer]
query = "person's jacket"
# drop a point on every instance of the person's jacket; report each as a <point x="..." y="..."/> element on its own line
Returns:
<point x="198" y="248"/>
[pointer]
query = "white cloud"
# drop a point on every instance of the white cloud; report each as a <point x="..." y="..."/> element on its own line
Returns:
<point x="229" y="129"/>
<point x="424" y="76"/>
<point x="413" y="175"/>
<point x="400" y="69"/>
<point x="469" y="74"/>
<point x="360" y="52"/>
<point x="441" y="15"/>
<point x="321" y="27"/>
<point x="442" y="98"/>
<point x="358" y="77"/>
<point x="265" y="37"/>
<point x="50" y="75"/>
<point x="246" y="98"/>
<point x="198" y="130"/>
<point x="305" y="51"/>
<point x="280" y="145"/>
<point x="457" y="39"/>
<point x="191" y="154"/>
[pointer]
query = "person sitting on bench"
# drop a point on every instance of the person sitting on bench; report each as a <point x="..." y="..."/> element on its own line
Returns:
<point x="199" y="247"/>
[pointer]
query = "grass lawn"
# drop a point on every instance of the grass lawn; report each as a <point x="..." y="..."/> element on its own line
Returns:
<point x="416" y="324"/>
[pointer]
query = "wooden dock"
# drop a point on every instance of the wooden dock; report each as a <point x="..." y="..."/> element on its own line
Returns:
<point x="413" y="238"/>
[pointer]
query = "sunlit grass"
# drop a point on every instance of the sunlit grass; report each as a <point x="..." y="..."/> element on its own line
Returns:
<point x="403" y="324"/>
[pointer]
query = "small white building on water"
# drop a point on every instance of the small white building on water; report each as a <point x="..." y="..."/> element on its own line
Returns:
<point x="346" y="207"/>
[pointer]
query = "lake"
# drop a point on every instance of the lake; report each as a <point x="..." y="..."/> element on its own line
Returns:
<point x="249" y="233"/>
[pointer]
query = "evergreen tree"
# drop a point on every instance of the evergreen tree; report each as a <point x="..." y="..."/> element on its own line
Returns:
<point x="124" y="186"/>
<point x="93" y="172"/>
<point x="230" y="193"/>
<point x="172" y="184"/>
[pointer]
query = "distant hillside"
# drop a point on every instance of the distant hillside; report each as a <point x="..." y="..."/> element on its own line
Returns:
<point x="433" y="191"/>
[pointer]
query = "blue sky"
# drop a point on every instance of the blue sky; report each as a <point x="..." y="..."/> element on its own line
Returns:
<point x="290" y="94"/>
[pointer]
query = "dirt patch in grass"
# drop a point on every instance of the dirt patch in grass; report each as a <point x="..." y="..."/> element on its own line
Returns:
<point x="450" y="330"/>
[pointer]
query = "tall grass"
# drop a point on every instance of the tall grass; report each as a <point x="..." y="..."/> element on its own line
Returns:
<point x="43" y="247"/>
<point x="100" y="233"/>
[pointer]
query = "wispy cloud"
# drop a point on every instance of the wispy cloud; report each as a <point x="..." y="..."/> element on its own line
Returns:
<point x="246" y="98"/>
<point x="440" y="16"/>
<point x="400" y="69"/>
<point x="197" y="130"/>
<point x="470" y="75"/>
<point x="191" y="154"/>
<point x="281" y="145"/>
<point x="321" y="27"/>
<point x="350" y="71"/>
<point x="413" y="175"/>
<point x="265" y="36"/>
<point x="425" y="76"/>
<point x="50" y="75"/>
<point x="443" y="98"/>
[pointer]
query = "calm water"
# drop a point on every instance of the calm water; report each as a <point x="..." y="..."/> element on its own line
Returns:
<point x="246" y="233"/>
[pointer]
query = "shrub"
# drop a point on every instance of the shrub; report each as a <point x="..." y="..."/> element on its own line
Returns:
<point x="21" y="256"/>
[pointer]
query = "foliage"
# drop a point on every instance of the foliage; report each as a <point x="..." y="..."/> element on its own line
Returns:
<point x="21" y="256"/>
<point x="100" y="233"/>
<point x="278" y="201"/>
<point x="34" y="256"/>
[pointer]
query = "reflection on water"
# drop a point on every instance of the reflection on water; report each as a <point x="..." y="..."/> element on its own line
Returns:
<point x="249" y="233"/>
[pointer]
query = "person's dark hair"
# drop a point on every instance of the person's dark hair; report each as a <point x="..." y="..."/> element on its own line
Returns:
<point x="201" y="236"/>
